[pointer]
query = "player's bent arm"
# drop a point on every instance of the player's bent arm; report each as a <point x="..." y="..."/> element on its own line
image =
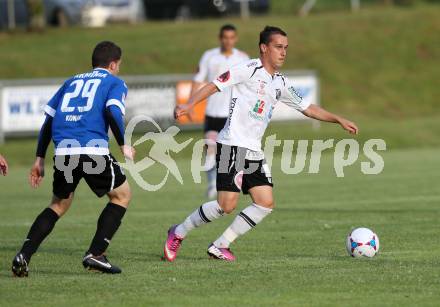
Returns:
<point x="316" y="112"/>
<point x="202" y="94"/>
<point x="198" y="96"/>
<point x="37" y="171"/>
<point x="202" y="73"/>
<point x="3" y="166"/>
<point x="195" y="85"/>
<point x="115" y="119"/>
<point x="44" y="137"/>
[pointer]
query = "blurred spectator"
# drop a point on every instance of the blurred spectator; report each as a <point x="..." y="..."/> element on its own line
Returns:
<point x="213" y="63"/>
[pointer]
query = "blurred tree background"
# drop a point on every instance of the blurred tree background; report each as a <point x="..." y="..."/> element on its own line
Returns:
<point x="288" y="7"/>
<point x="36" y="15"/>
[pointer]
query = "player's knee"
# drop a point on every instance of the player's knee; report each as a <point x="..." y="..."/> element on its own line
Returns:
<point x="228" y="208"/>
<point x="121" y="196"/>
<point x="61" y="206"/>
<point x="266" y="203"/>
<point x="227" y="201"/>
<point x="270" y="204"/>
<point x="122" y="199"/>
<point x="228" y="205"/>
<point x="59" y="210"/>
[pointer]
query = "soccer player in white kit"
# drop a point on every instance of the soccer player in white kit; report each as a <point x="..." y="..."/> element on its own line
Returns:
<point x="214" y="62"/>
<point x="256" y="88"/>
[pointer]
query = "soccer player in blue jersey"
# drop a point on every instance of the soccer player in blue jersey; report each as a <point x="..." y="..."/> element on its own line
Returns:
<point x="77" y="120"/>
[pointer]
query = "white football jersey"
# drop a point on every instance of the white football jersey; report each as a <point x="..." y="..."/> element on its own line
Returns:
<point x="212" y="64"/>
<point x="254" y="95"/>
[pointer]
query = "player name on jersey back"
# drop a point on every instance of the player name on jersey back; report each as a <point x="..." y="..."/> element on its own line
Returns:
<point x="93" y="74"/>
<point x="80" y="125"/>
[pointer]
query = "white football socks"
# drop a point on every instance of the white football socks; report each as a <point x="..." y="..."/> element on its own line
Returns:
<point x="245" y="220"/>
<point x="204" y="214"/>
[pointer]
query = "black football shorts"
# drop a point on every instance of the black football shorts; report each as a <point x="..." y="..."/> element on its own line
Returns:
<point x="235" y="173"/>
<point x="101" y="173"/>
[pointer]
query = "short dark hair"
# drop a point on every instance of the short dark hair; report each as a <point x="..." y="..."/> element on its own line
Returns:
<point x="227" y="27"/>
<point x="268" y="31"/>
<point x="104" y="53"/>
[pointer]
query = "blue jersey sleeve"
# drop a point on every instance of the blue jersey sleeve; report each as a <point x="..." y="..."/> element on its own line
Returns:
<point x="44" y="137"/>
<point x="116" y="122"/>
<point x="116" y="96"/>
<point x="51" y="107"/>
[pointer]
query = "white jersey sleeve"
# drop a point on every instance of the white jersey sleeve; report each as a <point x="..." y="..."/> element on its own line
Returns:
<point x="237" y="74"/>
<point x="244" y="55"/>
<point x="292" y="98"/>
<point x="203" y="69"/>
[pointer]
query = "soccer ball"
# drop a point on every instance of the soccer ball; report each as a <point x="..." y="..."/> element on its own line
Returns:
<point x="362" y="242"/>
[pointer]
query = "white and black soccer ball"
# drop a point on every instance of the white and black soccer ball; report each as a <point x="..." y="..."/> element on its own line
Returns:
<point x="362" y="242"/>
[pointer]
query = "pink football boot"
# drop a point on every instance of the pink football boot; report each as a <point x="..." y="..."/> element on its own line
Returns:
<point x="172" y="244"/>
<point x="220" y="253"/>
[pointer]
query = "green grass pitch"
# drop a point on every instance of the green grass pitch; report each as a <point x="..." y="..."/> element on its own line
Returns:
<point x="296" y="257"/>
<point x="382" y="73"/>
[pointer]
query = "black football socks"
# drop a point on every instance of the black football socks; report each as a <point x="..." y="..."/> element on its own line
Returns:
<point x="40" y="229"/>
<point x="108" y="224"/>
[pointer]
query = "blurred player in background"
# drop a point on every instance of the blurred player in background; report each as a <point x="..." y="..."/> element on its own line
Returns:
<point x="77" y="120"/>
<point x="3" y="166"/>
<point x="256" y="87"/>
<point x="212" y="64"/>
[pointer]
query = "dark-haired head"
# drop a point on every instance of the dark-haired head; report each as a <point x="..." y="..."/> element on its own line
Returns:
<point x="268" y="31"/>
<point x="228" y="38"/>
<point x="105" y="53"/>
<point x="227" y="27"/>
<point x="273" y="46"/>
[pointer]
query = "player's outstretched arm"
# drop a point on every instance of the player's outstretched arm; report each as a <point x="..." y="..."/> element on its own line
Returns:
<point x="316" y="112"/>
<point x="3" y="166"/>
<point x="195" y="86"/>
<point x="198" y="96"/>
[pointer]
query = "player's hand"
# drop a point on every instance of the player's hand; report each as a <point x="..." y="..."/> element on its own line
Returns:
<point x="128" y="152"/>
<point x="349" y="126"/>
<point x="182" y="109"/>
<point x="3" y="166"/>
<point x="190" y="114"/>
<point x="37" y="173"/>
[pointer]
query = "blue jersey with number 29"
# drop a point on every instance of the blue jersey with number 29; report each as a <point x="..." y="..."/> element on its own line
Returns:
<point x="78" y="109"/>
